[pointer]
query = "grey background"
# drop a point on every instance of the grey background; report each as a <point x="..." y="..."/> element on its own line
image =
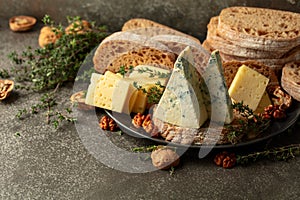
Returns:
<point x="45" y="163"/>
<point x="190" y="16"/>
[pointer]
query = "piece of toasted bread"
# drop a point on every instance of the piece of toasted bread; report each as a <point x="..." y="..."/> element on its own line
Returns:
<point x="122" y="45"/>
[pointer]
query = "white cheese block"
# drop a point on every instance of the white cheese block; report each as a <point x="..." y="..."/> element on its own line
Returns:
<point x="123" y="97"/>
<point x="147" y="74"/>
<point x="181" y="103"/>
<point x="216" y="96"/>
<point x="95" y="78"/>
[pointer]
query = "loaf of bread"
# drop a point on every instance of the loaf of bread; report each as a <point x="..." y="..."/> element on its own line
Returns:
<point x="290" y="79"/>
<point x="127" y="45"/>
<point x="231" y="68"/>
<point x="253" y="27"/>
<point x="150" y="28"/>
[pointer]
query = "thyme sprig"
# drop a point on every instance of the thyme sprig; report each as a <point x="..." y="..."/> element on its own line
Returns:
<point x="47" y="105"/>
<point x="154" y="73"/>
<point x="43" y="68"/>
<point x="279" y="153"/>
<point x="250" y="125"/>
<point x="52" y="66"/>
<point x="4" y="73"/>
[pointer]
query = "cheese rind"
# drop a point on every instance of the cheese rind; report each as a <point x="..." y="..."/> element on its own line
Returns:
<point x="89" y="99"/>
<point x="216" y="97"/>
<point x="248" y="86"/>
<point x="264" y="102"/>
<point x="181" y="103"/>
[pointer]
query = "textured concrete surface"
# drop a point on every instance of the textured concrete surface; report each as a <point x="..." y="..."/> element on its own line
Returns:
<point x="45" y="163"/>
<point x="189" y="15"/>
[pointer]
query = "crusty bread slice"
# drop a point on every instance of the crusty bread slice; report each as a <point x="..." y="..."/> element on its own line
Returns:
<point x="252" y="27"/>
<point x="143" y="56"/>
<point x="121" y="43"/>
<point x="178" y="43"/>
<point x="290" y="79"/>
<point x="275" y="64"/>
<point x="150" y="28"/>
<point x="227" y="47"/>
<point x="231" y="68"/>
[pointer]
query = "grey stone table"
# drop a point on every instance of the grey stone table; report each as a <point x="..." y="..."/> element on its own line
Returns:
<point x="46" y="163"/>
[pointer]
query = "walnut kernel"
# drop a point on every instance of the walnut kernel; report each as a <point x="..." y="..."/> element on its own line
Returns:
<point x="107" y="123"/>
<point x="164" y="158"/>
<point x="6" y="86"/>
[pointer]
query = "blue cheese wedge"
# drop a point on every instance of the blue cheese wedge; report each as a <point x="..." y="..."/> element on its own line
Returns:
<point x="216" y="96"/>
<point x="182" y="102"/>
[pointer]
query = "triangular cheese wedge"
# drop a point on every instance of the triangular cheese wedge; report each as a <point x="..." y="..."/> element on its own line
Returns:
<point x="181" y="103"/>
<point x="216" y="96"/>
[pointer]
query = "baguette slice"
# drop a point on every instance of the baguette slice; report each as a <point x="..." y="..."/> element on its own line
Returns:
<point x="121" y="44"/>
<point x="231" y="68"/>
<point x="230" y="48"/>
<point x="150" y="28"/>
<point x="252" y="27"/>
<point x="290" y="79"/>
<point x="178" y="43"/>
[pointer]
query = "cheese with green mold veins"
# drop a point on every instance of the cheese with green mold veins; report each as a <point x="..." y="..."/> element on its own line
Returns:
<point x="216" y="96"/>
<point x="181" y="103"/>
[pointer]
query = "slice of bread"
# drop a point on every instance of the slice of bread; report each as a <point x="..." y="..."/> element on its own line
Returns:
<point x="290" y="79"/>
<point x="143" y="56"/>
<point x="123" y="43"/>
<point x="178" y="43"/>
<point x="150" y="28"/>
<point x="231" y="68"/>
<point x="252" y="27"/>
<point x="228" y="47"/>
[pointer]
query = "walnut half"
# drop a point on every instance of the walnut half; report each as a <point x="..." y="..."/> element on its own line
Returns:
<point x="164" y="158"/>
<point x="21" y="23"/>
<point x="6" y="86"/>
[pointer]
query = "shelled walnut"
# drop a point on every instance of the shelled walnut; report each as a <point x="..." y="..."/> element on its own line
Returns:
<point x="107" y="123"/>
<point x="280" y="97"/>
<point x="48" y="35"/>
<point x="78" y="100"/>
<point x="6" y="86"/>
<point x="164" y="158"/>
<point x="21" y="23"/>
<point x="225" y="159"/>
<point x="79" y="27"/>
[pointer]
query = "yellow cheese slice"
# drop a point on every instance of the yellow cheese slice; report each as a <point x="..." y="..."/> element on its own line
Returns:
<point x="248" y="86"/>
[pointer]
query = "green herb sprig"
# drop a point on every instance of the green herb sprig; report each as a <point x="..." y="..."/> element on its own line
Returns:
<point x="44" y="68"/>
<point x="250" y="124"/>
<point x="4" y="73"/>
<point x="279" y="153"/>
<point x="54" y="65"/>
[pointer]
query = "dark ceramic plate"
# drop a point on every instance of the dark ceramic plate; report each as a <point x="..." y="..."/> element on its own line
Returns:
<point x="124" y="122"/>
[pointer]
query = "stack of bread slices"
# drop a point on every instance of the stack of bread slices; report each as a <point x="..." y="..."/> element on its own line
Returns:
<point x="145" y="42"/>
<point x="268" y="36"/>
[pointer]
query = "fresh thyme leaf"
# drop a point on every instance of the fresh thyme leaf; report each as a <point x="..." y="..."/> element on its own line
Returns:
<point x="4" y="73"/>
<point x="44" y="68"/>
<point x="250" y="124"/>
<point x="154" y="73"/>
<point x="279" y="153"/>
